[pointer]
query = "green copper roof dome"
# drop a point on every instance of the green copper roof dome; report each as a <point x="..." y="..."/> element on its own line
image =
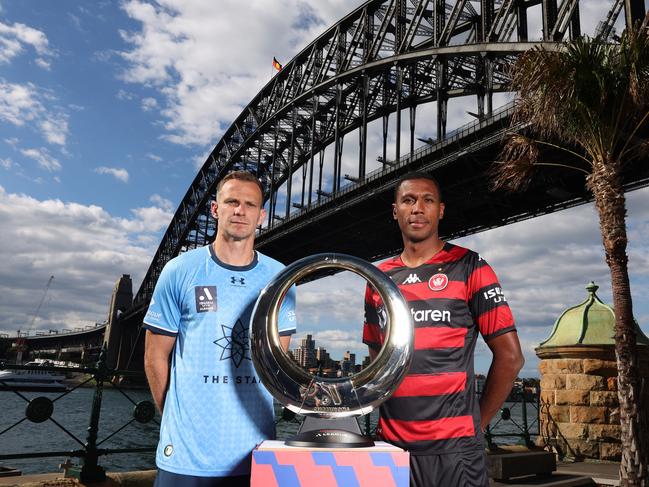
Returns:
<point x="589" y="323"/>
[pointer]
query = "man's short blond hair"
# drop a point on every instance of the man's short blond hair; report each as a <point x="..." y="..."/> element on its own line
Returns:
<point x="240" y="176"/>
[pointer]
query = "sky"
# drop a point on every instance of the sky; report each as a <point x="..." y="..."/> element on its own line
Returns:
<point x="108" y="109"/>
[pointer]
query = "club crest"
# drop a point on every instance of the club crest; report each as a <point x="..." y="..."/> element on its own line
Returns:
<point x="438" y="282"/>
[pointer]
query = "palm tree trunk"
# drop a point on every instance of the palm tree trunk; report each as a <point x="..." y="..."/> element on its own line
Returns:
<point x="606" y="186"/>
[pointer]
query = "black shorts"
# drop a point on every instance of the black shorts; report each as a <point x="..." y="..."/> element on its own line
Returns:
<point x="169" y="479"/>
<point x="462" y="469"/>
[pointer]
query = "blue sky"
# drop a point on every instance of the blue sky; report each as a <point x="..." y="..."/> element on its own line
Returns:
<point x="107" y="109"/>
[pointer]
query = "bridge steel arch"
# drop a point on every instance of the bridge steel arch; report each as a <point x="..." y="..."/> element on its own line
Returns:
<point x="383" y="60"/>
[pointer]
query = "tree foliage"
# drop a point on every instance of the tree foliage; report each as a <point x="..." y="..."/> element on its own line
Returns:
<point x="589" y="97"/>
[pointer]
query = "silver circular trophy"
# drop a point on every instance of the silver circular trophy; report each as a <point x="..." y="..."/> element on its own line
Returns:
<point x="331" y="404"/>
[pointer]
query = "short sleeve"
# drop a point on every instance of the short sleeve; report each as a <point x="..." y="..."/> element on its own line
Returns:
<point x="163" y="315"/>
<point x="372" y="327"/>
<point x="287" y="322"/>
<point x="487" y="301"/>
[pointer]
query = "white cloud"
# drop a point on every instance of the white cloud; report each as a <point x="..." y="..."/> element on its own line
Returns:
<point x="42" y="63"/>
<point x="55" y="129"/>
<point x="205" y="88"/>
<point x="149" y="104"/>
<point x="154" y="157"/>
<point x="14" y="38"/>
<point x="6" y="163"/>
<point x="124" y="95"/>
<point x="161" y="202"/>
<point x="83" y="246"/>
<point x="19" y="103"/>
<point x="149" y="219"/>
<point x="26" y="104"/>
<point x="75" y="21"/>
<point x="44" y="159"/>
<point x="118" y="173"/>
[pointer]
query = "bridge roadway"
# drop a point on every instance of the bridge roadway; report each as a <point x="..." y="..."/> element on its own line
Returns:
<point x="65" y="344"/>
<point x="358" y="220"/>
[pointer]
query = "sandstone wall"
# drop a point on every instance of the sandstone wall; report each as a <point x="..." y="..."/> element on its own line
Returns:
<point x="579" y="411"/>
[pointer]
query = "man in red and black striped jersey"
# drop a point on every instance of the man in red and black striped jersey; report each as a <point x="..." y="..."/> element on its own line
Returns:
<point x="453" y="296"/>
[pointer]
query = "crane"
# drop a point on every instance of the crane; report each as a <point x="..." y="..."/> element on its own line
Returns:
<point x="22" y="342"/>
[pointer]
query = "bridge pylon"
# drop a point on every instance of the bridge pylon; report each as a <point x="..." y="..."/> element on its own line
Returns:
<point x="119" y="339"/>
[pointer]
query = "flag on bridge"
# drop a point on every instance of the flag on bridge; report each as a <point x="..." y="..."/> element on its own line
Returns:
<point x="276" y="64"/>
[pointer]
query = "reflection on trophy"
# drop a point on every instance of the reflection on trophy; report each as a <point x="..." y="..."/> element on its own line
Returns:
<point x="331" y="405"/>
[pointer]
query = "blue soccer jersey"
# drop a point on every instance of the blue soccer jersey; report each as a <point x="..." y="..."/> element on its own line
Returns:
<point x="216" y="409"/>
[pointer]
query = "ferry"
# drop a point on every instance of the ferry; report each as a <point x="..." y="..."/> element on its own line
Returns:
<point x="32" y="379"/>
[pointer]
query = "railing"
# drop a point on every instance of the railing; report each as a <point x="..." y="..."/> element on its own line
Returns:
<point x="40" y="409"/>
<point x="514" y="422"/>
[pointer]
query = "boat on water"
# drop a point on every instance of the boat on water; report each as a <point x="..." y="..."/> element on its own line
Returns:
<point x="32" y="379"/>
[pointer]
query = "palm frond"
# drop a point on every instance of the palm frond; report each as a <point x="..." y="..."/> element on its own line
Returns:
<point x="514" y="170"/>
<point x="589" y="97"/>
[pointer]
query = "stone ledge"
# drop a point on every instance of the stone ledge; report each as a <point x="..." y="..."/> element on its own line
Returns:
<point x="519" y="464"/>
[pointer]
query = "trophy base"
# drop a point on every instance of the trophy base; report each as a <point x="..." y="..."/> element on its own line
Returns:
<point x="330" y="433"/>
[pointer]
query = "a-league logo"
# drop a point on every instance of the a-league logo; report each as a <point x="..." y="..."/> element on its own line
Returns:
<point x="205" y="298"/>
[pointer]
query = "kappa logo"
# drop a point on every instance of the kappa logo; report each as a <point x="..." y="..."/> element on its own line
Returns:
<point x="205" y="298"/>
<point x="438" y="282"/>
<point x="237" y="281"/>
<point x="412" y="279"/>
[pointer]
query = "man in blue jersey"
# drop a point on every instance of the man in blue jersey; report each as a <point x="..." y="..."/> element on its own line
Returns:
<point x="214" y="408"/>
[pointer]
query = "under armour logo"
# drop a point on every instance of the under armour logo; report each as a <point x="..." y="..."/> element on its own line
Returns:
<point x="237" y="281"/>
<point x="412" y="279"/>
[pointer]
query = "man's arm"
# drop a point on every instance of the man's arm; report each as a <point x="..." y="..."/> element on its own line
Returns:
<point x="507" y="362"/>
<point x="157" y="349"/>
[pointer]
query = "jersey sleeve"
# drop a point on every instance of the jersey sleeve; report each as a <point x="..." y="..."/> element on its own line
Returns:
<point x="163" y="315"/>
<point x="287" y="322"/>
<point x="487" y="301"/>
<point x="372" y="330"/>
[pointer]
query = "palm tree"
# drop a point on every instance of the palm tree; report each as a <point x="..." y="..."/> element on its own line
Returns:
<point x="590" y="98"/>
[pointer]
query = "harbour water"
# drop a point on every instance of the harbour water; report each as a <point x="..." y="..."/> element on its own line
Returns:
<point x="72" y="411"/>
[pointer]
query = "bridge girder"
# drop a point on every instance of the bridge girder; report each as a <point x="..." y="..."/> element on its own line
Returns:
<point x="381" y="59"/>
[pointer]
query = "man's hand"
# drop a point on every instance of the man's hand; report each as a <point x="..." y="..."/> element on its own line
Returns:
<point x="157" y="349"/>
<point x="507" y="362"/>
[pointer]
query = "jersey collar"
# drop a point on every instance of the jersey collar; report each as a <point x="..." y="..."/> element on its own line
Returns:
<point x="239" y="268"/>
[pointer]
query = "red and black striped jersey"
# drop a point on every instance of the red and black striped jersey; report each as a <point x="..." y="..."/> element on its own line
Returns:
<point x="452" y="297"/>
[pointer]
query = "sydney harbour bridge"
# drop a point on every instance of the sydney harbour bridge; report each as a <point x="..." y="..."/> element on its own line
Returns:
<point x="333" y="130"/>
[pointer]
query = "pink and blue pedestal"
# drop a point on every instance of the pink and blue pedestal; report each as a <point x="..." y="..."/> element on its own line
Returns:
<point x="277" y="465"/>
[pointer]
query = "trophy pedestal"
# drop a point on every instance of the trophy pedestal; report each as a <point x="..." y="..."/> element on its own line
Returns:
<point x="330" y="433"/>
<point x="277" y="464"/>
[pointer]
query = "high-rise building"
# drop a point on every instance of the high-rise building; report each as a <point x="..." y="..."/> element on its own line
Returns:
<point x="351" y="357"/>
<point x="305" y="354"/>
